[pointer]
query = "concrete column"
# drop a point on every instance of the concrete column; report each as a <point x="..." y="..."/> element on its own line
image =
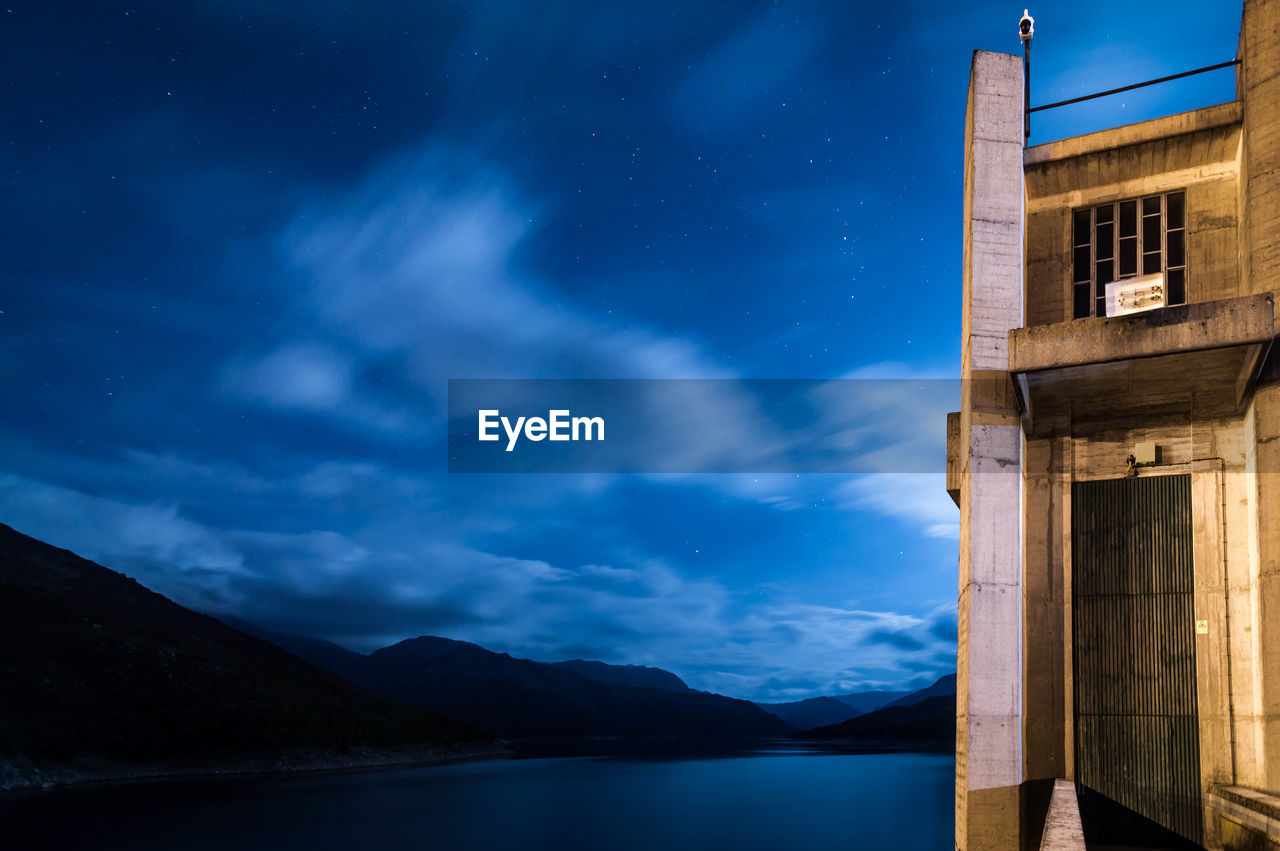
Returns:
<point x="1045" y="488"/>
<point x="1259" y="83"/>
<point x="989" y="663"/>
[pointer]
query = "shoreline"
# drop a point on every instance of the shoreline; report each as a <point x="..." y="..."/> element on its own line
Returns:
<point x="25" y="777"/>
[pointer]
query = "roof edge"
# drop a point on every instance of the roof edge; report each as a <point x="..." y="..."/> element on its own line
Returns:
<point x="1204" y="118"/>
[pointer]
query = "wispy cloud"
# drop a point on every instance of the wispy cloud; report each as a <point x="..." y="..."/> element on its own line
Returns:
<point x="154" y="542"/>
<point x="367" y="589"/>
<point x="917" y="500"/>
<point x="413" y="277"/>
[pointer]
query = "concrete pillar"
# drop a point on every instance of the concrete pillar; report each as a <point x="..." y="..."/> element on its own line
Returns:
<point x="1046" y="486"/>
<point x="1259" y="83"/>
<point x="989" y="663"/>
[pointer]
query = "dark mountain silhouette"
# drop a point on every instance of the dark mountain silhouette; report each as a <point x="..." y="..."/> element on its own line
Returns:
<point x="625" y="675"/>
<point x="824" y="711"/>
<point x="92" y="664"/>
<point x="922" y="719"/>
<point x="814" y="712"/>
<point x="945" y="685"/>
<point x="522" y="698"/>
<point x="325" y="655"/>
<point x="927" y="725"/>
<point x="867" y="701"/>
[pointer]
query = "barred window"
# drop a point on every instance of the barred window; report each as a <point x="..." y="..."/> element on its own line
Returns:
<point x="1124" y="239"/>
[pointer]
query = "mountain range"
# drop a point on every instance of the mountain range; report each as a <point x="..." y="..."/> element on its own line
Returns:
<point x="944" y="686"/>
<point x="820" y="711"/>
<point x="810" y="713"/>
<point x="926" y="724"/>
<point x="626" y="675"/>
<point x="523" y="698"/>
<point x="94" y="665"/>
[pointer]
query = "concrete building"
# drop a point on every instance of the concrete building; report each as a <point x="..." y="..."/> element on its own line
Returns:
<point x="1120" y="616"/>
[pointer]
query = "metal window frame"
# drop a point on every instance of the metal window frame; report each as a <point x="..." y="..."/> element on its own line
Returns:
<point x="1097" y="295"/>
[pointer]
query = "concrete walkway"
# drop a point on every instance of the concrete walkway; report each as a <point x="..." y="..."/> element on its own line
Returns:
<point x="1062" y="830"/>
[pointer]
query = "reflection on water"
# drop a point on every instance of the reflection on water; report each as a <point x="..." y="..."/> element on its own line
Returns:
<point x="774" y="798"/>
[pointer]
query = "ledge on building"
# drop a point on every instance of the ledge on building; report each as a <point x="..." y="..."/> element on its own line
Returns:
<point x="1205" y="352"/>
<point x="1246" y="818"/>
<point x="1199" y="326"/>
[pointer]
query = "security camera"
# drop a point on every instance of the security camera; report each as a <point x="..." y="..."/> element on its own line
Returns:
<point x="1026" y="26"/>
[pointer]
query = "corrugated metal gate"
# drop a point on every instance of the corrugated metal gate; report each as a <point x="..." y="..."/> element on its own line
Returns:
<point x="1137" y="745"/>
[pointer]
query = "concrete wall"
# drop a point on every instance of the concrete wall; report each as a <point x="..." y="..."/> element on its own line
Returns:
<point x="1228" y="159"/>
<point x="1015" y="717"/>
<point x="1259" y="80"/>
<point x="989" y="667"/>
<point x="1216" y="452"/>
<point x="1047" y="737"/>
<point x="1126" y="163"/>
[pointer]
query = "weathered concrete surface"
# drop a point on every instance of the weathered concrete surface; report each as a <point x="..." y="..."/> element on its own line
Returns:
<point x="1137" y="393"/>
<point x="1184" y="328"/>
<point x="989" y="661"/>
<point x="1259" y="81"/>
<point x="1210" y="533"/>
<point x="1190" y="379"/>
<point x="1062" y="829"/>
<point x="1243" y="818"/>
<point x="953" y="456"/>
<point x="1154" y="165"/>
<point x="1200" y="359"/>
<point x="1197" y="120"/>
<point x="1201" y="157"/>
<point x="1045" y="627"/>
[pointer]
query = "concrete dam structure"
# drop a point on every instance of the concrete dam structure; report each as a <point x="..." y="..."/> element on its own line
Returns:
<point x="1116" y="463"/>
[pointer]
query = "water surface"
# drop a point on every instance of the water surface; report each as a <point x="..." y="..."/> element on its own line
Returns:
<point x="775" y="798"/>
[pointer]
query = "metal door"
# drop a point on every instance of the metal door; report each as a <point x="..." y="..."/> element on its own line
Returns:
<point x="1137" y="745"/>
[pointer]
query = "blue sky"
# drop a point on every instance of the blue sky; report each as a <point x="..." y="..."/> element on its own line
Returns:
<point x="246" y="245"/>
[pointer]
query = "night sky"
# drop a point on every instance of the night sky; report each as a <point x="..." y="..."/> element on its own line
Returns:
<point x="245" y="245"/>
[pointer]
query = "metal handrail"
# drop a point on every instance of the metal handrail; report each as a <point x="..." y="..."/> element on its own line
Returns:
<point x="1135" y="86"/>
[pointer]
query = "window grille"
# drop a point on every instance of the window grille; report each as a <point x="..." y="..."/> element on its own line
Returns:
<point x="1124" y="239"/>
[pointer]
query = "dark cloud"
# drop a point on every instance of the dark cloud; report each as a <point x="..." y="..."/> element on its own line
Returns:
<point x="900" y="640"/>
<point x="944" y="629"/>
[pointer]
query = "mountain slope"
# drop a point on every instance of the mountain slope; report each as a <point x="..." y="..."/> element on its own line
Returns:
<point x="625" y="675"/>
<point x="943" y="686"/>
<point x="868" y="701"/>
<point x="522" y="698"/>
<point x="929" y="724"/>
<point x="92" y="663"/>
<point x="325" y="655"/>
<point x="518" y="697"/>
<point x="814" y="712"/>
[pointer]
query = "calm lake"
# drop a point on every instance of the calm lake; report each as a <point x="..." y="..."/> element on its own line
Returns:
<point x="774" y="798"/>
